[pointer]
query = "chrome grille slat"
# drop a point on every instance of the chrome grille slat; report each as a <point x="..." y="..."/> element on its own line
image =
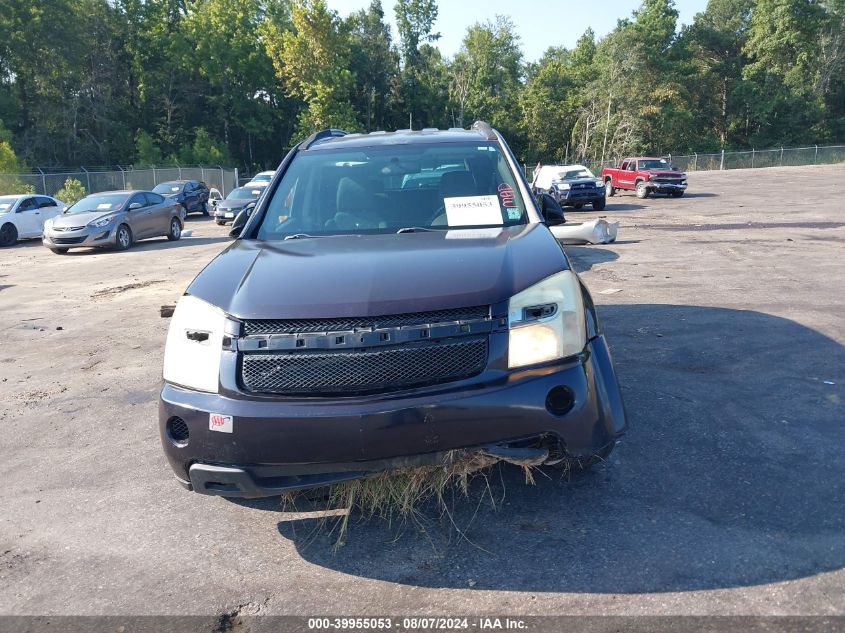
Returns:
<point x="350" y="324"/>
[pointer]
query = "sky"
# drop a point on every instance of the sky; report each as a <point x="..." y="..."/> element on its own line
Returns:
<point x="540" y="23"/>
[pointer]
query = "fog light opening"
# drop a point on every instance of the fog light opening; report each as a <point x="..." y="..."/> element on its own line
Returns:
<point x="560" y="400"/>
<point x="177" y="432"/>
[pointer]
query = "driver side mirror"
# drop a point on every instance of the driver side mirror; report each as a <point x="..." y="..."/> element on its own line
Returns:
<point x="239" y="222"/>
<point x="550" y="210"/>
<point x="135" y="205"/>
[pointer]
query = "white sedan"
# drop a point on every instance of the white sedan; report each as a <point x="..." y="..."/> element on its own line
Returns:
<point x="22" y="217"/>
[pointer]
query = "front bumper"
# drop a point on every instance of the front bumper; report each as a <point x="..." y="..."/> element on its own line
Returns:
<point x="666" y="187"/>
<point x="226" y="215"/>
<point x="278" y="445"/>
<point x="85" y="237"/>
<point x="579" y="196"/>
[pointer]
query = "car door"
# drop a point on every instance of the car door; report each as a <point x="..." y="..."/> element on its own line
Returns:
<point x="139" y="218"/>
<point x="27" y="218"/>
<point x="623" y="175"/>
<point x="49" y="208"/>
<point x="191" y="198"/>
<point x="159" y="213"/>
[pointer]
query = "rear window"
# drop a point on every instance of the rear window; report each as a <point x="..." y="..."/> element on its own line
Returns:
<point x="385" y="188"/>
<point x="168" y="187"/>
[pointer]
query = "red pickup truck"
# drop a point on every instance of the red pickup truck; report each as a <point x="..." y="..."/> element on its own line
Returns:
<point x="645" y="176"/>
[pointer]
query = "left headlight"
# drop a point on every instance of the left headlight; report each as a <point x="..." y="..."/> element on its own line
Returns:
<point x="194" y="345"/>
<point x="546" y="321"/>
<point x="562" y="186"/>
<point x="102" y="222"/>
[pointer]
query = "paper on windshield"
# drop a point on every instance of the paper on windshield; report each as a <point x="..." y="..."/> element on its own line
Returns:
<point x="474" y="234"/>
<point x="3" y="207"/>
<point x="473" y="210"/>
<point x="104" y="205"/>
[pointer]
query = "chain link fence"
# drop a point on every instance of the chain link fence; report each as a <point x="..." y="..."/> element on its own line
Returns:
<point x="745" y="159"/>
<point x="94" y="180"/>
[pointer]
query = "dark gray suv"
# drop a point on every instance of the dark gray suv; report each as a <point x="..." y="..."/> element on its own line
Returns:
<point x="393" y="297"/>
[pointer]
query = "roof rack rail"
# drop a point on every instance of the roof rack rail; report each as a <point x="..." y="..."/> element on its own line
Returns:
<point x="322" y="134"/>
<point x="485" y="129"/>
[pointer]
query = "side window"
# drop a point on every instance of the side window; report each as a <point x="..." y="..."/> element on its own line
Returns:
<point x="44" y="201"/>
<point x="27" y="204"/>
<point x="191" y="187"/>
<point x="624" y="165"/>
<point x="632" y="166"/>
<point x="139" y="199"/>
<point x="153" y="198"/>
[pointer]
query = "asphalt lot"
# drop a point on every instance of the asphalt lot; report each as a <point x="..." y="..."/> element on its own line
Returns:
<point x="724" y="311"/>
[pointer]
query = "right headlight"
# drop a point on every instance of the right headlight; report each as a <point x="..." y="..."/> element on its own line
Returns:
<point x="194" y="345"/>
<point x="562" y="186"/>
<point x="546" y="321"/>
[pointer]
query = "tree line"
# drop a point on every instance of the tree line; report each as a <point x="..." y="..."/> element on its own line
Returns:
<point x="105" y="82"/>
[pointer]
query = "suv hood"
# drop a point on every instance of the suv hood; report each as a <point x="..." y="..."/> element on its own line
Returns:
<point x="665" y="173"/>
<point x="586" y="180"/>
<point x="372" y="275"/>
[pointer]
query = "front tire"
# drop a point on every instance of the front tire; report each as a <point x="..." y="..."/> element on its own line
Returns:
<point x="599" y="204"/>
<point x="609" y="189"/>
<point x="220" y="223"/>
<point x="642" y="190"/>
<point x="175" y="231"/>
<point x="8" y="234"/>
<point x="677" y="194"/>
<point x="123" y="238"/>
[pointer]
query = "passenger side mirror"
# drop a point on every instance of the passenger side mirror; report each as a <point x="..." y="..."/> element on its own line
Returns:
<point x="239" y="223"/>
<point x="249" y="209"/>
<point x="550" y="210"/>
<point x="135" y="205"/>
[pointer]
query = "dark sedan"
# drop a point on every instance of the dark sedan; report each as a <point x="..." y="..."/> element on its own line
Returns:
<point x="191" y="194"/>
<point x="228" y="209"/>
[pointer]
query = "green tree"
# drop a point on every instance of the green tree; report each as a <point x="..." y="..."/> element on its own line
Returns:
<point x="71" y="192"/>
<point x="422" y="87"/>
<point x="488" y="71"/>
<point x="375" y="64"/>
<point x="313" y="60"/>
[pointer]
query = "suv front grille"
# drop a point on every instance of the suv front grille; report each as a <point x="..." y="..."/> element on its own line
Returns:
<point x="368" y="370"/>
<point x="349" y="324"/>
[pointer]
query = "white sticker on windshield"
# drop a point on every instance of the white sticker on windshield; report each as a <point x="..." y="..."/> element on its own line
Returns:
<point x="3" y="207"/>
<point x="473" y="234"/>
<point x="473" y="210"/>
<point x="104" y="205"/>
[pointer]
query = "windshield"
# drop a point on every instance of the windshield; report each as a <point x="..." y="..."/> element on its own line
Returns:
<point x="385" y="188"/>
<point x="262" y="178"/>
<point x="575" y="173"/>
<point x="168" y="187"/>
<point x="6" y="204"/>
<point x="104" y="203"/>
<point x="244" y="193"/>
<point x="654" y="163"/>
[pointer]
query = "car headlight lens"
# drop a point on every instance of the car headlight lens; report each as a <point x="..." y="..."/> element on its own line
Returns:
<point x="599" y="183"/>
<point x="562" y="186"/>
<point x="194" y="345"/>
<point x="102" y="222"/>
<point x="546" y="321"/>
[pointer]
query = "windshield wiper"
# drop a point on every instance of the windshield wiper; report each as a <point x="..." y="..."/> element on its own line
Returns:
<point x="299" y="236"/>
<point x="414" y="229"/>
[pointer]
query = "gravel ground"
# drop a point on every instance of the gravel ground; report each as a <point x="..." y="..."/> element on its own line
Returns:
<point x="724" y="311"/>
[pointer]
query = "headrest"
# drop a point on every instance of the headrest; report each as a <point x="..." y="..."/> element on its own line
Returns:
<point x="454" y="184"/>
<point x="352" y="196"/>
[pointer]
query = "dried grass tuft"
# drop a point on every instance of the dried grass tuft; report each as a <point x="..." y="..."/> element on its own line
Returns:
<point x="398" y="497"/>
